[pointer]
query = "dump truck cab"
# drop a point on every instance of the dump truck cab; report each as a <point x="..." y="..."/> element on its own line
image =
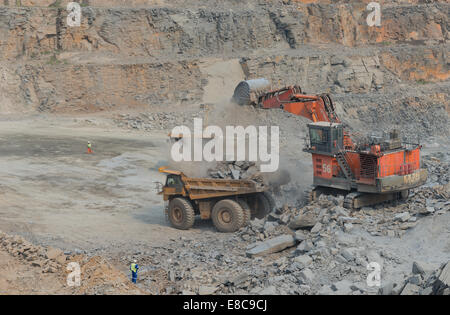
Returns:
<point x="173" y="186"/>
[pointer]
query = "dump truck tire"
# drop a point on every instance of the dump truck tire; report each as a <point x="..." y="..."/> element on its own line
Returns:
<point x="247" y="212"/>
<point x="272" y="202"/>
<point x="181" y="213"/>
<point x="227" y="216"/>
<point x="263" y="206"/>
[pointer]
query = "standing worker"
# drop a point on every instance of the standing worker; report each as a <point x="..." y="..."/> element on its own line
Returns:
<point x="134" y="271"/>
<point x="89" y="148"/>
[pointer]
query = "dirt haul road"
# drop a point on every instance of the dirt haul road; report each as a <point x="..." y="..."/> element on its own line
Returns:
<point x="52" y="192"/>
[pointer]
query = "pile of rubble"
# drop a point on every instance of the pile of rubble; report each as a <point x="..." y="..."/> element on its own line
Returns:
<point x="265" y="258"/>
<point x="50" y="260"/>
<point x="97" y="275"/>
<point x="438" y="166"/>
<point x="392" y="219"/>
<point x="321" y="234"/>
<point x="321" y="248"/>
<point x="425" y="279"/>
<point x="156" y="120"/>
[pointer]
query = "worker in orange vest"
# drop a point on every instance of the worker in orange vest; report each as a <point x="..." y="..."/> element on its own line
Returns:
<point x="89" y="148"/>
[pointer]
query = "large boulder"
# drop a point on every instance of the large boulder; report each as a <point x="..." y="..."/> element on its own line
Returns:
<point x="442" y="284"/>
<point x="303" y="221"/>
<point x="410" y="289"/>
<point x="423" y="268"/>
<point x="273" y="245"/>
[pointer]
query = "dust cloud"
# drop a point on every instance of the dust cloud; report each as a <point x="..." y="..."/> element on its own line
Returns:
<point x="294" y="175"/>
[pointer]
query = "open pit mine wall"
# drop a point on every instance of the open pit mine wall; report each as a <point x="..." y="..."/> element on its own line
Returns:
<point x="175" y="32"/>
<point x="140" y="56"/>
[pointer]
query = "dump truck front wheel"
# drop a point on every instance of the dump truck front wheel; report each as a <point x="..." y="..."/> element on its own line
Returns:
<point x="227" y="216"/>
<point x="181" y="213"/>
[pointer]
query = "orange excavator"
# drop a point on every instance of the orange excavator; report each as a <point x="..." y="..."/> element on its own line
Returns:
<point x="378" y="170"/>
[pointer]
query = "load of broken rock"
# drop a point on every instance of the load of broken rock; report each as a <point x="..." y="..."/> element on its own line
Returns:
<point x="234" y="170"/>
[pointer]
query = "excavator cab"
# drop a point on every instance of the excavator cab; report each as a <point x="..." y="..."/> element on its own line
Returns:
<point x="325" y="137"/>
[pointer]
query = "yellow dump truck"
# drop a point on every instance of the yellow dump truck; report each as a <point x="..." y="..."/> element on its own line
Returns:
<point x="229" y="203"/>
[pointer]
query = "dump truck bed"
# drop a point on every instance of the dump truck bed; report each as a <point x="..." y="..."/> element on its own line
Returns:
<point x="204" y="188"/>
<point x="201" y="188"/>
<point x="229" y="203"/>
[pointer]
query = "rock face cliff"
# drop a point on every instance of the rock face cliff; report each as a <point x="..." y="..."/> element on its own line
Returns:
<point x="147" y="54"/>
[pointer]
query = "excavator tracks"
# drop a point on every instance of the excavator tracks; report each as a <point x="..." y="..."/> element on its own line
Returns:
<point x="357" y="200"/>
<point x="353" y="200"/>
<point x="312" y="193"/>
<point x="308" y="195"/>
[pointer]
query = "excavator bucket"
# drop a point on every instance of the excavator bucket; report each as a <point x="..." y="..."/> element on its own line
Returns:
<point x="258" y="92"/>
<point x="248" y="92"/>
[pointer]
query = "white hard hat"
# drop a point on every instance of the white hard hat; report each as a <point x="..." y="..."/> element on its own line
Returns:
<point x="134" y="260"/>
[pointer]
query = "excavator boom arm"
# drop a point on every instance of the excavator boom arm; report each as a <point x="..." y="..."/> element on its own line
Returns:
<point x="311" y="107"/>
<point x="317" y="108"/>
<point x="314" y="107"/>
